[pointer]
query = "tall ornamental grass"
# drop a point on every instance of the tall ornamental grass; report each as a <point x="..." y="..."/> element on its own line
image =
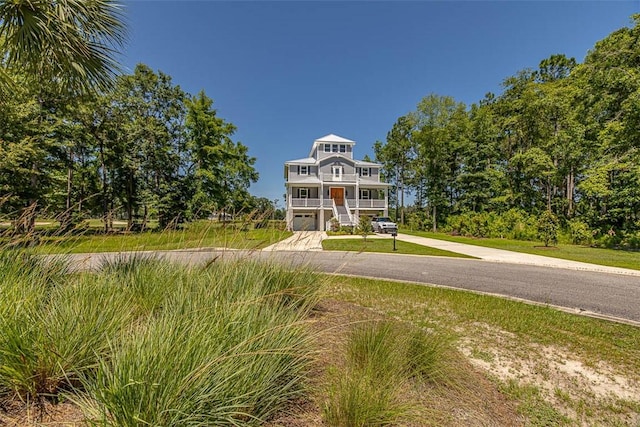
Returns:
<point x="146" y="342"/>
<point x="51" y="329"/>
<point x="385" y="360"/>
<point x="228" y="346"/>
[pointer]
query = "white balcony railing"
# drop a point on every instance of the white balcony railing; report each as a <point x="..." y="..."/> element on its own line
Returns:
<point x="328" y="203"/>
<point x="371" y="203"/>
<point x="345" y="177"/>
<point x="329" y="177"/>
<point x="305" y="203"/>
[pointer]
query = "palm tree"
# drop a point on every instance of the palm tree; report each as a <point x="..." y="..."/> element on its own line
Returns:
<point x="72" y="43"/>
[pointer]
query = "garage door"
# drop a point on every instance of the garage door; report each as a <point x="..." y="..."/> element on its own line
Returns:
<point x="304" y="222"/>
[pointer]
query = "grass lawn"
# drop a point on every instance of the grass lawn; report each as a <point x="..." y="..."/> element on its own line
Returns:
<point x="551" y="363"/>
<point x="386" y="246"/>
<point x="195" y="235"/>
<point x="610" y="257"/>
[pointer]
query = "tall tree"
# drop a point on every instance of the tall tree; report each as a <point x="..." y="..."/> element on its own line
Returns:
<point x="481" y="179"/>
<point x="440" y="133"/>
<point x="397" y="157"/>
<point x="609" y="81"/>
<point x="151" y="144"/>
<point x="221" y="169"/>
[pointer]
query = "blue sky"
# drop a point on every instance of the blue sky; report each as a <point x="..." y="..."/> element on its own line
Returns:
<point x="288" y="72"/>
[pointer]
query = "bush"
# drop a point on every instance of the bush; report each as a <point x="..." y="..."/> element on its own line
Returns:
<point x="579" y="232"/>
<point x="346" y="229"/>
<point x="548" y="228"/>
<point x="418" y="220"/>
<point x="512" y="224"/>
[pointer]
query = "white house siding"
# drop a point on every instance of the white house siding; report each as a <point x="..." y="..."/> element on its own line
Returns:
<point x="311" y="208"/>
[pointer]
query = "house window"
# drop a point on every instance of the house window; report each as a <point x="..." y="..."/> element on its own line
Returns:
<point x="365" y="172"/>
<point x="343" y="148"/>
<point x="337" y="172"/>
<point x="304" y="193"/>
<point x="327" y="148"/>
<point x="334" y="148"/>
<point x="304" y="170"/>
<point x="365" y="194"/>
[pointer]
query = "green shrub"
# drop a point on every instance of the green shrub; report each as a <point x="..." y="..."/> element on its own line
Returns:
<point x="418" y="220"/>
<point x="548" y="228"/>
<point x="512" y="224"/>
<point x="346" y="229"/>
<point x="519" y="225"/>
<point x="632" y="240"/>
<point x="579" y="232"/>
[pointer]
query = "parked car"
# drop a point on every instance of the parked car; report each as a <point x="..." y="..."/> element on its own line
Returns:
<point x="383" y="224"/>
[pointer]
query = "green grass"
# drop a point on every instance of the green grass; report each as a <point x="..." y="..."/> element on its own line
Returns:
<point x="600" y="256"/>
<point x="595" y="339"/>
<point x="194" y="235"/>
<point x="520" y="329"/>
<point x="385" y="246"/>
<point x="533" y="406"/>
<point x="384" y="359"/>
<point x="146" y="342"/>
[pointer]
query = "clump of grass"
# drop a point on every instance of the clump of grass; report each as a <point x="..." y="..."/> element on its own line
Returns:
<point x="227" y="346"/>
<point x="143" y="341"/>
<point x="54" y="325"/>
<point x="382" y="360"/>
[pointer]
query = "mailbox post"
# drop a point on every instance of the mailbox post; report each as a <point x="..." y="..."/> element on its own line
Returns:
<point x="394" y="234"/>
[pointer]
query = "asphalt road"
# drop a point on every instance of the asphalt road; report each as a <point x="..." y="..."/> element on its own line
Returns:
<point x="600" y="294"/>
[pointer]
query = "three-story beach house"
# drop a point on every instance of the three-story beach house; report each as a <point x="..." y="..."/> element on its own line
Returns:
<point x="331" y="184"/>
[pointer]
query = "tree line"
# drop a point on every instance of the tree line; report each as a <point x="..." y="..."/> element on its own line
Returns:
<point x="143" y="149"/>
<point x="561" y="141"/>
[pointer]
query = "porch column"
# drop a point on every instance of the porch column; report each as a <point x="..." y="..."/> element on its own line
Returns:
<point x="321" y="215"/>
<point x="357" y="195"/>
<point x="289" y="216"/>
<point x="386" y="201"/>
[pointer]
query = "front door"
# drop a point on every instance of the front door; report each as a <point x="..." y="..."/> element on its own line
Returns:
<point x="337" y="194"/>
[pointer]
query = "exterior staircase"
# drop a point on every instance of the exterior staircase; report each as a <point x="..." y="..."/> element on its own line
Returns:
<point x="344" y="216"/>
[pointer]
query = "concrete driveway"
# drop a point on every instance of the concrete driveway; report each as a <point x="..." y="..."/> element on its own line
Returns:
<point x="300" y="241"/>
<point x="500" y="255"/>
<point x="303" y="241"/>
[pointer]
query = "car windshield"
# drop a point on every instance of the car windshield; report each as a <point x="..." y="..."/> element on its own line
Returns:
<point x="384" y="219"/>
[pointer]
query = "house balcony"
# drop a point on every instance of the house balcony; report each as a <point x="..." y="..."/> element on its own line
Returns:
<point x="345" y="177"/>
<point x="310" y="203"/>
<point x="368" y="203"/>
<point x="328" y="204"/>
<point x="328" y="177"/>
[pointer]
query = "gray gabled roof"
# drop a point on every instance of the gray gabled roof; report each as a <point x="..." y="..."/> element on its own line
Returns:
<point x="363" y="163"/>
<point x="334" y="138"/>
<point x="305" y="161"/>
